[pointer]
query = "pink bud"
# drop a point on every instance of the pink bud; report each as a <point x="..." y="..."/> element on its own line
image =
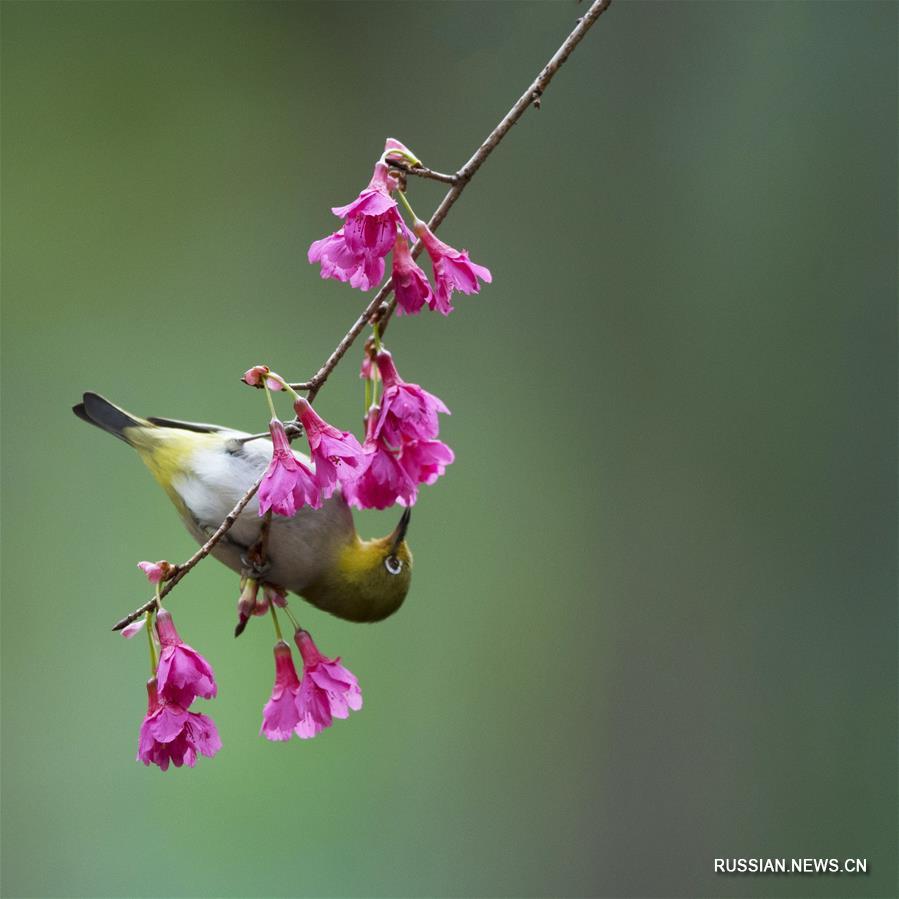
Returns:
<point x="254" y="377"/>
<point x="275" y="595"/>
<point x="156" y="571"/>
<point x="394" y="149"/>
<point x="134" y="628"/>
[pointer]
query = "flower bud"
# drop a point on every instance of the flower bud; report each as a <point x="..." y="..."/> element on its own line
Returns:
<point x="245" y="604"/>
<point x="157" y="571"/>
<point x="256" y="375"/>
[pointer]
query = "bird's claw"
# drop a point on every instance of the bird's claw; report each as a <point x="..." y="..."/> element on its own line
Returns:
<point x="254" y="568"/>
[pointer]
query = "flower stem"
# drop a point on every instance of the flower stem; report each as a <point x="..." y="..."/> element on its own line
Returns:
<point x="284" y="384"/>
<point x="153" y="660"/>
<point x="268" y="396"/>
<point x="293" y="621"/>
<point x="402" y="195"/>
<point x="277" y="624"/>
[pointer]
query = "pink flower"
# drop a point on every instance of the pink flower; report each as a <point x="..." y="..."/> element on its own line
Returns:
<point x="368" y="371"/>
<point x="337" y="454"/>
<point x="169" y="733"/>
<point x="313" y="711"/>
<point x="452" y="269"/>
<point x="155" y="571"/>
<point x="256" y="375"/>
<point x="382" y="480"/>
<point x="288" y="484"/>
<point x="356" y="252"/>
<point x="410" y="283"/>
<point x="182" y="674"/>
<point x="327" y="689"/>
<point x="375" y="201"/>
<point x="383" y="483"/>
<point x="338" y="261"/>
<point x="280" y="715"/>
<point x="400" y="445"/>
<point x="426" y="460"/>
<point x="407" y="411"/>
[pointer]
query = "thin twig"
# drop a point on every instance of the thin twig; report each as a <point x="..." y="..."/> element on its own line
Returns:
<point x="531" y="97"/>
<point x="422" y="171"/>
<point x="201" y="553"/>
<point x="379" y="308"/>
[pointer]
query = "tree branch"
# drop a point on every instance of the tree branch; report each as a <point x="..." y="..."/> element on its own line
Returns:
<point x="201" y="553"/>
<point x="421" y="171"/>
<point x="379" y="309"/>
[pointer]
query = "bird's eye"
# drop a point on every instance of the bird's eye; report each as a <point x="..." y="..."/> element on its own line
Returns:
<point x="393" y="564"/>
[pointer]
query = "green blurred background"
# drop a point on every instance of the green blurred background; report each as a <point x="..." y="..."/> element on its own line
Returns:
<point x="653" y="618"/>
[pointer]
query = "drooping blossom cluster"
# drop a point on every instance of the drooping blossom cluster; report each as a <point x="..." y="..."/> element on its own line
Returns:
<point x="170" y="732"/>
<point x="401" y="442"/>
<point x="373" y="226"/>
<point x="401" y="450"/>
<point x="304" y="707"/>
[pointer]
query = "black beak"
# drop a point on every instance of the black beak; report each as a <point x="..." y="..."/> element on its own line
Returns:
<point x="399" y="534"/>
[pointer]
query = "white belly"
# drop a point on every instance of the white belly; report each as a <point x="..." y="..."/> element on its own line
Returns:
<point x="299" y="548"/>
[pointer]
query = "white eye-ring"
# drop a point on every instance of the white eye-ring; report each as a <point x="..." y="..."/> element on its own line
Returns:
<point x="393" y="564"/>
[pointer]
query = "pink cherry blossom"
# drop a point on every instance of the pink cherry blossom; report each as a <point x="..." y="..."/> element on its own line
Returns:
<point x="288" y="484"/>
<point x="256" y="376"/>
<point x="280" y="715"/>
<point x="355" y="253"/>
<point x="426" y="460"/>
<point x="327" y="690"/>
<point x="382" y="480"/>
<point x="182" y="673"/>
<point x="383" y="483"/>
<point x="362" y="270"/>
<point x="337" y="454"/>
<point x="170" y="733"/>
<point x="313" y="711"/>
<point x="375" y="200"/>
<point x="452" y="270"/>
<point x="407" y="411"/>
<point x="155" y="571"/>
<point x="410" y="283"/>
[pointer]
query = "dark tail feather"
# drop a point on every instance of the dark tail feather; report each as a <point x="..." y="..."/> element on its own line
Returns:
<point x="97" y="410"/>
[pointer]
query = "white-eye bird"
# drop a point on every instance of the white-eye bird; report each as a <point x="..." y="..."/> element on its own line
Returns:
<point x="205" y="469"/>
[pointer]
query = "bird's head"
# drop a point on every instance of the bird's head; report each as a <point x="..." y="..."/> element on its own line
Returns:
<point x="369" y="578"/>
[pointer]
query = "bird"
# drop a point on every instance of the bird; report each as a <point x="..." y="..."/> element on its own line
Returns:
<point x="317" y="553"/>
